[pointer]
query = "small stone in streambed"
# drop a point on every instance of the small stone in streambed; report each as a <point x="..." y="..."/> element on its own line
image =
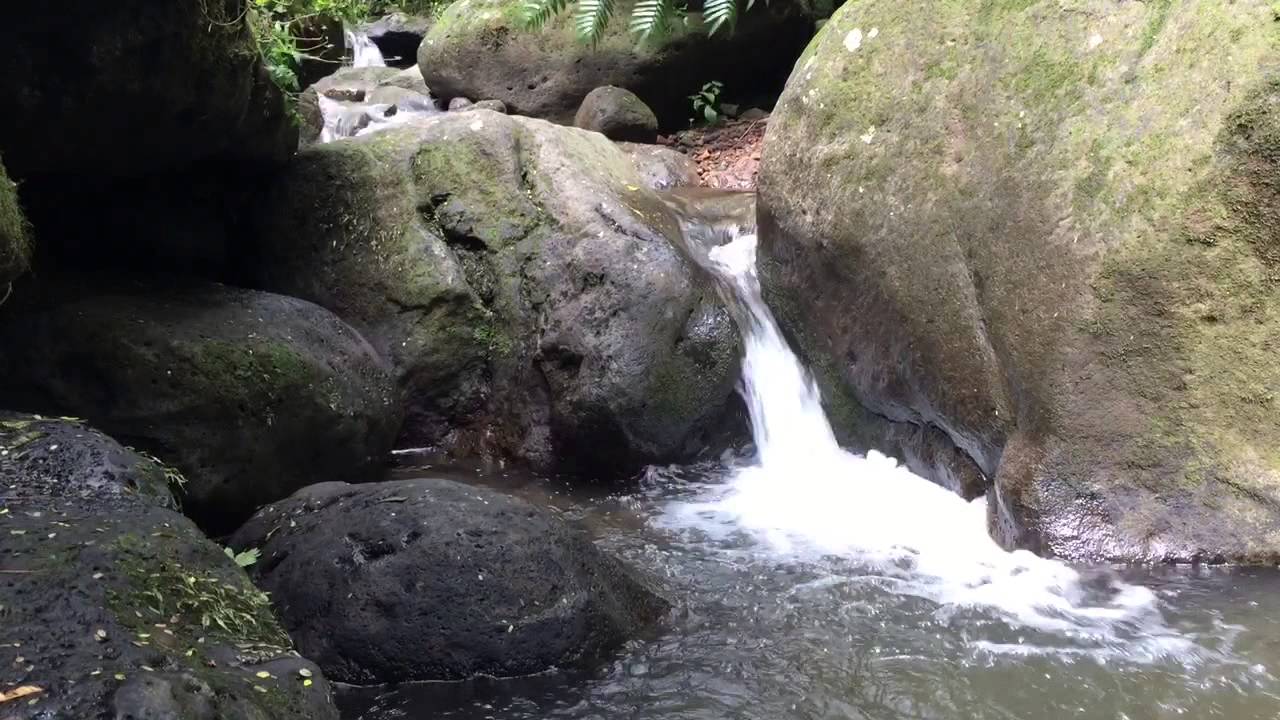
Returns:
<point x="459" y="103"/>
<point x="436" y="580"/>
<point x="618" y="114"/>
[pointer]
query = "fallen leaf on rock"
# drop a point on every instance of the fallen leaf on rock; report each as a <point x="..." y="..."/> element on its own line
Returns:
<point x="20" y="692"/>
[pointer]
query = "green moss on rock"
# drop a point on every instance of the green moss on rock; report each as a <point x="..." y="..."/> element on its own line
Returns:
<point x="1053" y="237"/>
<point x="15" y="243"/>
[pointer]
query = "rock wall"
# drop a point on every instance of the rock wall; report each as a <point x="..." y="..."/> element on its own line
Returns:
<point x="1045" y="234"/>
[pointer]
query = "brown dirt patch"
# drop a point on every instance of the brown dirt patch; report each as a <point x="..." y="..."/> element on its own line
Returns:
<point x="727" y="154"/>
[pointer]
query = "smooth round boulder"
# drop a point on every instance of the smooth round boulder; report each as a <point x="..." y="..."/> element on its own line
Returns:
<point x="530" y="291"/>
<point x="436" y="580"/>
<point x="115" y="606"/>
<point x="250" y="395"/>
<point x="459" y="103"/>
<point x="485" y="49"/>
<point x="1045" y="236"/>
<point x="618" y="114"/>
<point x="15" y="244"/>
<point x="137" y="87"/>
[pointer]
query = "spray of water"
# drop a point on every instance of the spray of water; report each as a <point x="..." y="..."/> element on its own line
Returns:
<point x="804" y="496"/>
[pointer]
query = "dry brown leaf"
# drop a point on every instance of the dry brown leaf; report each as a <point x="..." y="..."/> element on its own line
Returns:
<point x="19" y="692"/>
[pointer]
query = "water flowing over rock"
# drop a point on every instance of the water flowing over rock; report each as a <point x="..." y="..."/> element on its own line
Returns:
<point x="436" y="580"/>
<point x="250" y="395"/>
<point x="105" y="589"/>
<point x="134" y="87"/>
<point x="525" y="284"/>
<point x="482" y="49"/>
<point x="1046" y="240"/>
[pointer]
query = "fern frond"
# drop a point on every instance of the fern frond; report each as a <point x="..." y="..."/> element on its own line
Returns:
<point x="652" y="17"/>
<point x="591" y="18"/>
<point x="538" y="12"/>
<point x="718" y="13"/>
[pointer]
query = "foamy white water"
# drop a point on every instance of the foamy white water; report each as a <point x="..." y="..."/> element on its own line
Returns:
<point x="364" y="52"/>
<point x="804" y="497"/>
<point x="353" y="118"/>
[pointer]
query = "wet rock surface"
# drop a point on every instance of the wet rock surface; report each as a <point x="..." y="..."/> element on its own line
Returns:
<point x="1075" y="300"/>
<point x="115" y="606"/>
<point x="250" y="395"/>
<point x="436" y="580"/>
<point x="526" y="285"/>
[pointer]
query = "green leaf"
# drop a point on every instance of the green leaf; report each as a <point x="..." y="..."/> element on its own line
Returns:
<point x="718" y="13"/>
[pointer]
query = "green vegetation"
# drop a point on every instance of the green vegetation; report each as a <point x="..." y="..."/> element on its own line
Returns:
<point x="649" y="18"/>
<point x="290" y="32"/>
<point x="706" y="102"/>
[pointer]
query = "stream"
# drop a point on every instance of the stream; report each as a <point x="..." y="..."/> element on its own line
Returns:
<point x="814" y="583"/>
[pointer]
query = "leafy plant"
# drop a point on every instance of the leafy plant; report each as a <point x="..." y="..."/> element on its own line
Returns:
<point x="248" y="558"/>
<point x="706" y="102"/>
<point x="649" y="18"/>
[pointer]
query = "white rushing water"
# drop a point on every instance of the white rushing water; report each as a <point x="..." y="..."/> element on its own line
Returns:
<point x="804" y="497"/>
<point x="364" y="52"/>
<point x="346" y="117"/>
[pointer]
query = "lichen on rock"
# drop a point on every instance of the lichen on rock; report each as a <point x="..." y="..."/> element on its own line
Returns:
<point x="1048" y="234"/>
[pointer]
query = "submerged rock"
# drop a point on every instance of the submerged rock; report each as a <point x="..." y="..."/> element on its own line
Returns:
<point x="250" y="395"/>
<point x="136" y="87"/>
<point x="15" y="245"/>
<point x="482" y="49"/>
<point x="436" y="580"/>
<point x="617" y="114"/>
<point x="524" y="282"/>
<point x="115" y="606"/>
<point x="1050" y="241"/>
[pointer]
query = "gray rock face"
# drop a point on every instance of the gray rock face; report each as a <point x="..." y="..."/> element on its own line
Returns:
<point x="524" y="282"/>
<point x="107" y="589"/>
<point x="482" y="49"/>
<point x="660" y="167"/>
<point x="136" y="87"/>
<point x="250" y="395"/>
<point x="618" y="114"/>
<point x="436" y="580"/>
<point x="1051" y="255"/>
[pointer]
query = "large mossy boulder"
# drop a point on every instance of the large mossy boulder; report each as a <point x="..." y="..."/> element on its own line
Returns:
<point x="436" y="580"/>
<point x="15" y="243"/>
<point x="250" y="395"/>
<point x="524" y="282"/>
<point x="116" y="606"/>
<point x="1049" y="235"/>
<point x="135" y="87"/>
<point x="484" y="49"/>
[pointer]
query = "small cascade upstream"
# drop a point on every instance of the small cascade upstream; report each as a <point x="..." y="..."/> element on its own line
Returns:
<point x="804" y="496"/>
<point x="364" y="52"/>
<point x="357" y="109"/>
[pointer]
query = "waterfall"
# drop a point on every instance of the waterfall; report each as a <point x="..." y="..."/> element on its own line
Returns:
<point x="364" y="52"/>
<point x="804" y="496"/>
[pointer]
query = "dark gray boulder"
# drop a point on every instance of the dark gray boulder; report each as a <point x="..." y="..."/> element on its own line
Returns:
<point x="117" y="607"/>
<point x="618" y="114"/>
<point x="661" y="168"/>
<point x="136" y="87"/>
<point x="526" y="285"/>
<point x="251" y="395"/>
<point x="436" y="580"/>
